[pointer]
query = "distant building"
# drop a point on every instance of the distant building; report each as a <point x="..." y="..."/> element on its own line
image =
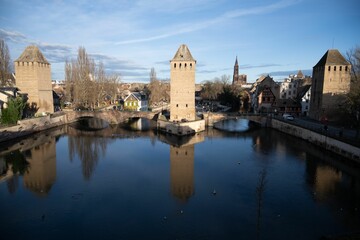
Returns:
<point x="331" y="81"/>
<point x="289" y="88"/>
<point x="7" y="93"/>
<point x="264" y="93"/>
<point x="136" y="102"/>
<point x="238" y="79"/>
<point x="304" y="97"/>
<point x="33" y="76"/>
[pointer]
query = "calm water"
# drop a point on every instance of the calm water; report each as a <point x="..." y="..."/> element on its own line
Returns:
<point x="126" y="184"/>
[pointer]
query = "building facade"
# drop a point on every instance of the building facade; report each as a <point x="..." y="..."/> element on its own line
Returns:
<point x="330" y="83"/>
<point x="136" y="102"/>
<point x="182" y="85"/>
<point x="33" y="76"/>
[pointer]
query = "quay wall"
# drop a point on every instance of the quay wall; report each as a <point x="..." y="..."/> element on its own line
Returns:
<point x="328" y="143"/>
<point x="30" y="126"/>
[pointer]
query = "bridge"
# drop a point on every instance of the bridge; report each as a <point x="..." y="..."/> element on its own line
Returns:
<point x="116" y="117"/>
<point x="111" y="116"/>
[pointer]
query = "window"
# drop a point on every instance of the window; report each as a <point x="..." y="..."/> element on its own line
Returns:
<point x="340" y="68"/>
<point x="190" y="65"/>
<point x="186" y="105"/>
<point x="346" y="68"/>
<point x="185" y="65"/>
<point x="329" y="68"/>
<point x="174" y="65"/>
<point x="180" y="65"/>
<point x="177" y="105"/>
<point x="334" y="68"/>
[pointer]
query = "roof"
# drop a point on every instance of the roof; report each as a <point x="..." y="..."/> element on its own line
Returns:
<point x="302" y="91"/>
<point x="236" y="62"/>
<point x="332" y="57"/>
<point x="183" y="54"/>
<point x="32" y="54"/>
<point x="137" y="95"/>
<point x="300" y="74"/>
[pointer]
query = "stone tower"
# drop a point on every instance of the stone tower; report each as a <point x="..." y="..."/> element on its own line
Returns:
<point x="330" y="83"/>
<point x="182" y="82"/>
<point x="33" y="76"/>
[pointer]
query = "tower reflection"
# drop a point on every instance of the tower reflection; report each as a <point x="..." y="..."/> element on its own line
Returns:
<point x="41" y="174"/>
<point x="182" y="151"/>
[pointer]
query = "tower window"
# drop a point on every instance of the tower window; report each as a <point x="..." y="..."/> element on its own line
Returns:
<point x="177" y="105"/>
<point x="190" y="65"/>
<point x="329" y="68"/>
<point x="340" y="68"/>
<point x="185" y="65"/>
<point x="186" y="105"/>
<point x="174" y="65"/>
<point x="346" y="68"/>
<point x="180" y="65"/>
<point x="334" y="68"/>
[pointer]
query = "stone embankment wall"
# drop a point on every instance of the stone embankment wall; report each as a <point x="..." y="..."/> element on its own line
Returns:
<point x="325" y="142"/>
<point x="31" y="126"/>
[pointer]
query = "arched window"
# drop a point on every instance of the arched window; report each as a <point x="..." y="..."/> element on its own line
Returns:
<point x="346" y="68"/>
<point x="334" y="68"/>
<point x="329" y="68"/>
<point x="185" y="65"/>
<point x="174" y="65"/>
<point x="340" y="68"/>
<point x="180" y="65"/>
<point x="190" y="65"/>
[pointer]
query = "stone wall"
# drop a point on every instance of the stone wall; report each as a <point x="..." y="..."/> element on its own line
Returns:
<point x="181" y="128"/>
<point x="326" y="142"/>
<point x="31" y="126"/>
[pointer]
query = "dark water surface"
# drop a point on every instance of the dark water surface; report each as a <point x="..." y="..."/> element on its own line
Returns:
<point x="124" y="184"/>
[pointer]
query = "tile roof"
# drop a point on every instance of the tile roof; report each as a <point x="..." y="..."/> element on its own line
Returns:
<point x="32" y="54"/>
<point x="332" y="57"/>
<point x="183" y="54"/>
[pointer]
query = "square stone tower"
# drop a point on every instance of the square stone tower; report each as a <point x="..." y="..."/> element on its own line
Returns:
<point x="330" y="82"/>
<point x="33" y="76"/>
<point x="182" y="85"/>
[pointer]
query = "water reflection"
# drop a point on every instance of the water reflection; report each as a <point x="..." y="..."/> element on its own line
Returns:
<point x="233" y="125"/>
<point x="257" y="174"/>
<point x="182" y="150"/>
<point x="88" y="149"/>
<point x="37" y="165"/>
<point x="335" y="188"/>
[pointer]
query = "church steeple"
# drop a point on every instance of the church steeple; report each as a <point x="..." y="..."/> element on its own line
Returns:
<point x="236" y="71"/>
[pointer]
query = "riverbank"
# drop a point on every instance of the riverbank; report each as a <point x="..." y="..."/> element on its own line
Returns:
<point x="321" y="140"/>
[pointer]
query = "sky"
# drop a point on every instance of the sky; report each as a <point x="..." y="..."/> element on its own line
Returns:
<point x="275" y="37"/>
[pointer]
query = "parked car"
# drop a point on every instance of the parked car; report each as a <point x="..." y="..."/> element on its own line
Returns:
<point x="288" y="116"/>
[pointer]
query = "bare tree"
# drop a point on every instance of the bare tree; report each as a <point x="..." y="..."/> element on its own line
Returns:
<point x="5" y="66"/>
<point x="87" y="83"/>
<point x="152" y="75"/>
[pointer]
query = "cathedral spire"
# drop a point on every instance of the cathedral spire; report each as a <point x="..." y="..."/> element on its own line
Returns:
<point x="236" y="71"/>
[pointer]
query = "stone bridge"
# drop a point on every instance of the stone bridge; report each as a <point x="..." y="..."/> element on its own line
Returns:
<point x="111" y="116"/>
<point x="212" y="118"/>
<point x="116" y="117"/>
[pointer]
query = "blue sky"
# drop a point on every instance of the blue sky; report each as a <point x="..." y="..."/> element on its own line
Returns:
<point x="275" y="37"/>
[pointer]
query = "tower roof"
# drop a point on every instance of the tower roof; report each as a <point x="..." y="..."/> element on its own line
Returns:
<point x="236" y="62"/>
<point x="32" y="54"/>
<point x="332" y="57"/>
<point x="300" y="74"/>
<point x="183" y="54"/>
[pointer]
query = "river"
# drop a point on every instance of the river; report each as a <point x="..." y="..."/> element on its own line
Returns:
<point x="122" y="183"/>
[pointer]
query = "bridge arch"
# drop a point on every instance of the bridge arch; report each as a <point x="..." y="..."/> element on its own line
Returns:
<point x="111" y="116"/>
